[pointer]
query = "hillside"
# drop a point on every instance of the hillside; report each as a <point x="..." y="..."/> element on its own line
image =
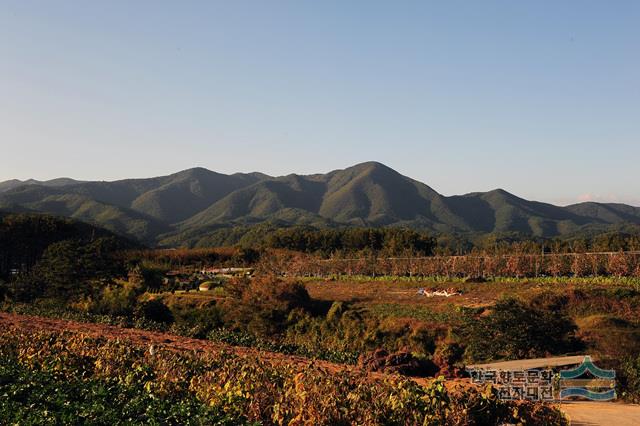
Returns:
<point x="190" y="204"/>
<point x="121" y="220"/>
<point x="24" y="237"/>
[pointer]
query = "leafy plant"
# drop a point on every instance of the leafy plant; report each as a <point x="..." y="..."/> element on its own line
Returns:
<point x="66" y="377"/>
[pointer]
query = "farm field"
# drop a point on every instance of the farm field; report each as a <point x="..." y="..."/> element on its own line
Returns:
<point x="400" y="298"/>
<point x="210" y="383"/>
<point x="580" y="413"/>
<point x="406" y="293"/>
<point x="146" y="338"/>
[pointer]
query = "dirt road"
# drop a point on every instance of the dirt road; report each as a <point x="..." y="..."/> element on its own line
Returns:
<point x="601" y="413"/>
<point x="525" y="364"/>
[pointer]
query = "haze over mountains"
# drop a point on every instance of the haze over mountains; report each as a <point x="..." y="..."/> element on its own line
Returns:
<point x="188" y="205"/>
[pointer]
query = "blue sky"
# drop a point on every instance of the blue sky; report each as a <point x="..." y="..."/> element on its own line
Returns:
<point x="541" y="98"/>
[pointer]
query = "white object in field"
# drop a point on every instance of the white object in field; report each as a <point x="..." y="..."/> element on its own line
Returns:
<point x="438" y="293"/>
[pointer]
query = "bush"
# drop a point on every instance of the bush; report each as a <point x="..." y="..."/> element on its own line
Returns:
<point x="262" y="305"/>
<point x="608" y="336"/>
<point x="154" y="310"/>
<point x="401" y="362"/>
<point x="629" y="379"/>
<point x="118" y="299"/>
<point x="513" y="330"/>
<point x="144" y="277"/>
<point x="448" y="357"/>
<point x="335" y="312"/>
<point x="197" y="322"/>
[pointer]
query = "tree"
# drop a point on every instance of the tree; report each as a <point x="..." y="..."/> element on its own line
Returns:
<point x="71" y="268"/>
<point x="514" y="329"/>
<point x="262" y="305"/>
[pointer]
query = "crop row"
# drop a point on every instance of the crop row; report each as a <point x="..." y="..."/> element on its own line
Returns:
<point x="254" y="389"/>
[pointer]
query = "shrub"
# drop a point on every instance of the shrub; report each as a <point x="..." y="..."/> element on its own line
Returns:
<point x="197" y="322"/>
<point x="335" y="312"/>
<point x="608" y="336"/>
<point x="117" y="299"/>
<point x="629" y="379"/>
<point x="262" y="305"/>
<point x="513" y="329"/>
<point x="145" y="277"/>
<point x="154" y="310"/>
<point x="448" y="357"/>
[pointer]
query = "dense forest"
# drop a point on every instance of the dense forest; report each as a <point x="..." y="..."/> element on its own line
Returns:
<point x="43" y="255"/>
<point x="398" y="241"/>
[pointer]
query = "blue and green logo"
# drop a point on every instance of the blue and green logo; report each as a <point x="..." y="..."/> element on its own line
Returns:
<point x="588" y="381"/>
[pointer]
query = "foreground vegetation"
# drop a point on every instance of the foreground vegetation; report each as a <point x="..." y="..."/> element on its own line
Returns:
<point x="166" y="387"/>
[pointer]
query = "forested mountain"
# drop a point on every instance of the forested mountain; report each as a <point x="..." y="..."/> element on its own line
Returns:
<point x="189" y="205"/>
<point x="14" y="183"/>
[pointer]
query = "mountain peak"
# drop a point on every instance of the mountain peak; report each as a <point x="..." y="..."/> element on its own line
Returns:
<point x="370" y="166"/>
<point x="194" y="172"/>
<point x="501" y="191"/>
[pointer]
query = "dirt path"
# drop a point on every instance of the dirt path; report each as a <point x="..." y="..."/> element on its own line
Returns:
<point x="601" y="413"/>
<point x="525" y="364"/>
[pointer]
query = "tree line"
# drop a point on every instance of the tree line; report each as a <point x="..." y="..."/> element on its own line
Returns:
<point x="390" y="241"/>
<point x="396" y="241"/>
<point x="617" y="264"/>
<point x="48" y="256"/>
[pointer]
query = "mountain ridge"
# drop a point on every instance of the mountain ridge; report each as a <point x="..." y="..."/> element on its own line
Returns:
<point x="196" y="200"/>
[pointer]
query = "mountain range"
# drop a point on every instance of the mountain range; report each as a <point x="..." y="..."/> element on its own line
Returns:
<point x="186" y="206"/>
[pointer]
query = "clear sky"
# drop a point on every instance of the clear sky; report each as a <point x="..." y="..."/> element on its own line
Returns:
<point x="541" y="98"/>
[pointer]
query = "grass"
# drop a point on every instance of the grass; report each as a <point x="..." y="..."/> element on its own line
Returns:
<point x="394" y="310"/>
